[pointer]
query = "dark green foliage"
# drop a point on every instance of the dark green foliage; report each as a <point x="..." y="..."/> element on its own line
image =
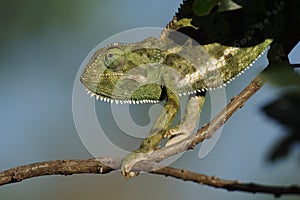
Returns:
<point x="285" y="110"/>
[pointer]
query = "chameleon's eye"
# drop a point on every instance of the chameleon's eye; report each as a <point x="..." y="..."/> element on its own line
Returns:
<point x="114" y="58"/>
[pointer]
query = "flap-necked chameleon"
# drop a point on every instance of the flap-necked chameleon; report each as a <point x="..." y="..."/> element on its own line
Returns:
<point x="167" y="67"/>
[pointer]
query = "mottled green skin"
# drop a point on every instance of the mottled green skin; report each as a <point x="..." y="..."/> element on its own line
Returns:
<point x="102" y="79"/>
<point x="140" y="70"/>
<point x="157" y="69"/>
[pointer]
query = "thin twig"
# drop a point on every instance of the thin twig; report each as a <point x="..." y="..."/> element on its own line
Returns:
<point x="230" y="185"/>
<point x="237" y="102"/>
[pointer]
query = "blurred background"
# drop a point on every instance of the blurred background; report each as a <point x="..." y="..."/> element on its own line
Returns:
<point x="43" y="43"/>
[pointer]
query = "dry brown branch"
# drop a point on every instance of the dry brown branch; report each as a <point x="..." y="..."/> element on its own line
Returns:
<point x="237" y="102"/>
<point x="94" y="166"/>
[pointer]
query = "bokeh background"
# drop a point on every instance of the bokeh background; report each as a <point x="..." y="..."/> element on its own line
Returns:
<point x="42" y="44"/>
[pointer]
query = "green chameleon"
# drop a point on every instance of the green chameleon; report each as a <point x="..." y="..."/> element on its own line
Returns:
<point x="163" y="69"/>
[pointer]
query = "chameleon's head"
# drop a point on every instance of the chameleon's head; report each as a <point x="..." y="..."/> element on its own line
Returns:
<point x="120" y="72"/>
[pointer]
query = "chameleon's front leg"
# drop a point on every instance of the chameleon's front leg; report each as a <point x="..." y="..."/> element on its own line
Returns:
<point x="189" y="121"/>
<point x="156" y="134"/>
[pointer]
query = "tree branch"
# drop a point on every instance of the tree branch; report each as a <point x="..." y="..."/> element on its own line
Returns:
<point x="230" y="185"/>
<point x="237" y="102"/>
<point x="94" y="166"/>
<point x="106" y="165"/>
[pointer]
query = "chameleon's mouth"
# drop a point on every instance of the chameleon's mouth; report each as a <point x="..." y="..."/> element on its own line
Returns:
<point x="121" y="76"/>
<point x="101" y="98"/>
<point x="118" y="101"/>
<point x="115" y="87"/>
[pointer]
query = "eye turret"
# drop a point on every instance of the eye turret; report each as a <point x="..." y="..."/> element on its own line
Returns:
<point x="114" y="58"/>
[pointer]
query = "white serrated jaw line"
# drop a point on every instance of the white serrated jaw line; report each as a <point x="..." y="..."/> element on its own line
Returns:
<point x="117" y="101"/>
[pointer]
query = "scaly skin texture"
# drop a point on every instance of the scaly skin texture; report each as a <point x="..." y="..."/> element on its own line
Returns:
<point x="163" y="69"/>
<point x="136" y="72"/>
<point x="146" y="71"/>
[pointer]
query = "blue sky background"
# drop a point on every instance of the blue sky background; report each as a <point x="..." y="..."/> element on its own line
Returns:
<point x="42" y="47"/>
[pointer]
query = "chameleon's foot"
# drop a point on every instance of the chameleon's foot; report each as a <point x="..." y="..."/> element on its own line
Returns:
<point x="129" y="161"/>
<point x="129" y="175"/>
<point x="175" y="135"/>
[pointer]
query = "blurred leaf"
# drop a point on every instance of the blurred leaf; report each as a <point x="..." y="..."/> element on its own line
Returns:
<point x="285" y="110"/>
<point x="282" y="148"/>
<point x="204" y="7"/>
<point x="281" y="74"/>
<point x="208" y="26"/>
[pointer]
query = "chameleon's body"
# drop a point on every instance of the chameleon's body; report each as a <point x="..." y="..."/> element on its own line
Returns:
<point x="159" y="69"/>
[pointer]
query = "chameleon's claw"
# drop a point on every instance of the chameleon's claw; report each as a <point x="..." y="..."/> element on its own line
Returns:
<point x="129" y="175"/>
<point x="175" y="135"/>
<point x="129" y="161"/>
